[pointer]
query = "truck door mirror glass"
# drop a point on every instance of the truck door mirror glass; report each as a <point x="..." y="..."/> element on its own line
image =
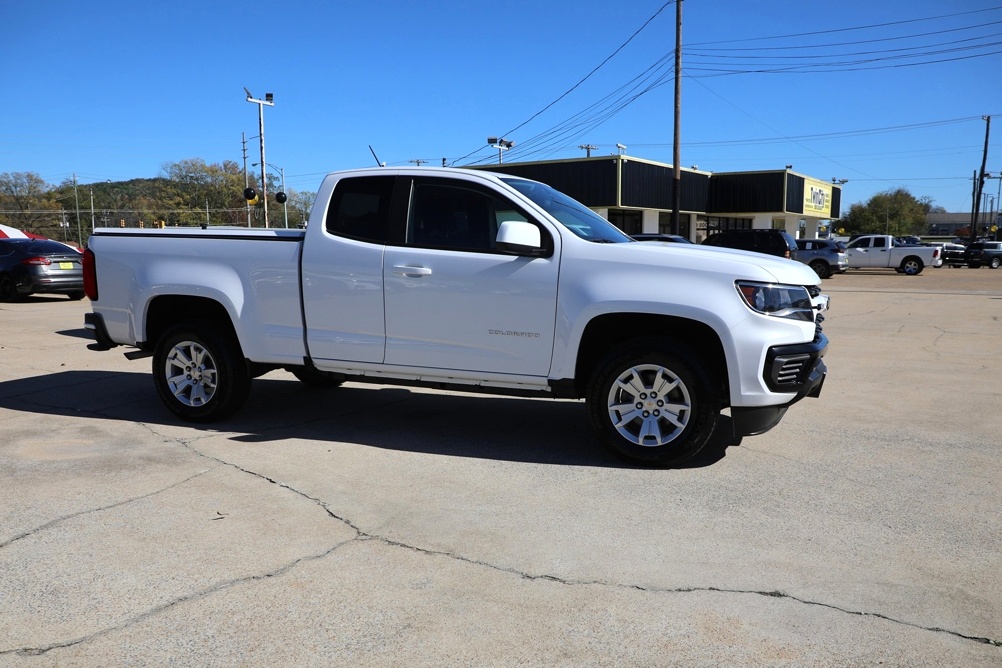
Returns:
<point x="519" y="238"/>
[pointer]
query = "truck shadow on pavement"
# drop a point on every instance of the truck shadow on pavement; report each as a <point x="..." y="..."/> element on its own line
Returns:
<point x="537" y="431"/>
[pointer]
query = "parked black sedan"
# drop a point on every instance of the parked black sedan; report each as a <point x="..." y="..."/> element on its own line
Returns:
<point x="30" y="266"/>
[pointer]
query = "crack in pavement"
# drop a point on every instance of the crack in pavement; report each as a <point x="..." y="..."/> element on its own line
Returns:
<point x="362" y="535"/>
<point x="123" y="502"/>
<point x="194" y="596"/>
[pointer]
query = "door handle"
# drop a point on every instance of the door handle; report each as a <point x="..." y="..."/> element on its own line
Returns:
<point x="413" y="272"/>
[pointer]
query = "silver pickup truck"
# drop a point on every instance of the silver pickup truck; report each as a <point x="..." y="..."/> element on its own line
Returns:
<point x="883" y="250"/>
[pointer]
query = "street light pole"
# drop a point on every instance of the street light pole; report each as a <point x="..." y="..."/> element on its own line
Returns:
<point x="269" y="100"/>
<point x="76" y="196"/>
<point x="285" y="204"/>
<point x="501" y="145"/>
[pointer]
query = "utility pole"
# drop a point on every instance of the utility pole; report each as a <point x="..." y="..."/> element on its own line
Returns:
<point x="588" y="148"/>
<point x="980" y="180"/>
<point x="676" y="198"/>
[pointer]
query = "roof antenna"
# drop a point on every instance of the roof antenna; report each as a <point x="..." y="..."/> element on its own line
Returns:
<point x="379" y="164"/>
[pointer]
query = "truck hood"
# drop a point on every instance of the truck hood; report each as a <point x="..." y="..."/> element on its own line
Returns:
<point x="737" y="263"/>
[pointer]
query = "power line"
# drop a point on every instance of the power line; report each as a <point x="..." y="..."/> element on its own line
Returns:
<point x="581" y="81"/>
<point x="839" y="30"/>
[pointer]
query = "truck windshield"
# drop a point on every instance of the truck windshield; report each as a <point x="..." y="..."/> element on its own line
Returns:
<point x="573" y="215"/>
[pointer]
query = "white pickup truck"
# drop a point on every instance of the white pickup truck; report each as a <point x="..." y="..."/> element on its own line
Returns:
<point x="467" y="280"/>
<point x="883" y="250"/>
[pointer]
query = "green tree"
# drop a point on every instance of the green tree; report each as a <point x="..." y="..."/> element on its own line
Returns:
<point x="26" y="202"/>
<point x="895" y="212"/>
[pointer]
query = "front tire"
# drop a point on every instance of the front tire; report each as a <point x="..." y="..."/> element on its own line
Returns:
<point x="912" y="266"/>
<point x="651" y="402"/>
<point x="200" y="374"/>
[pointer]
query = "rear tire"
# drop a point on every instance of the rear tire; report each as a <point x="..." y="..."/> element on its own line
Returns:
<point x="912" y="266"/>
<point x="994" y="264"/>
<point x="200" y="374"/>
<point x="76" y="295"/>
<point x="8" y="291"/>
<point x="650" y="401"/>
<point x="821" y="268"/>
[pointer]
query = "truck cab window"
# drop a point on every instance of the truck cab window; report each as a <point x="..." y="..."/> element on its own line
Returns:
<point x="360" y="208"/>
<point x="456" y="218"/>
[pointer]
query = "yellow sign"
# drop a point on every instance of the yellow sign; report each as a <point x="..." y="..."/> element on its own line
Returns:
<point x="817" y="198"/>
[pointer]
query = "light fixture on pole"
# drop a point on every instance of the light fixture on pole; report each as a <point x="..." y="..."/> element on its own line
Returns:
<point x="269" y="100"/>
<point x="501" y="144"/>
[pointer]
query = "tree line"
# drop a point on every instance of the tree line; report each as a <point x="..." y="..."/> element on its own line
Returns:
<point x="187" y="193"/>
<point x="896" y="212"/>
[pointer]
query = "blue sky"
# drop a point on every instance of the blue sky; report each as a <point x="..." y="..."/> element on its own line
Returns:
<point x="885" y="94"/>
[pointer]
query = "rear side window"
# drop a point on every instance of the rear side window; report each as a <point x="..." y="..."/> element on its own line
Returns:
<point x="739" y="241"/>
<point x="360" y="208"/>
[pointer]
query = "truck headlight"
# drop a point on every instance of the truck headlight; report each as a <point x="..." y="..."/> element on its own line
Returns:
<point x="780" y="301"/>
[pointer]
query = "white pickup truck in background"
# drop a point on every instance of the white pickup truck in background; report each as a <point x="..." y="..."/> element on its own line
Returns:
<point x="883" y="250"/>
<point x="463" y="279"/>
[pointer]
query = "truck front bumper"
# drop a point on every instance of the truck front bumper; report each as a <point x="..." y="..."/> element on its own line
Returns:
<point x="799" y="369"/>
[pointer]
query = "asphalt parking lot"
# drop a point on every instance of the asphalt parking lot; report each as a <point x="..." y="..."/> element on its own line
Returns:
<point x="380" y="526"/>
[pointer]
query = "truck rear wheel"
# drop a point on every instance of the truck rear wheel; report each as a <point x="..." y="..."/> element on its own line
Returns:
<point x="651" y="402"/>
<point x="200" y="374"/>
<point x="912" y="266"/>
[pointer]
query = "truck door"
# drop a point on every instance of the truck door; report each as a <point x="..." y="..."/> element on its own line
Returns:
<point x="342" y="272"/>
<point x="859" y="252"/>
<point x="453" y="301"/>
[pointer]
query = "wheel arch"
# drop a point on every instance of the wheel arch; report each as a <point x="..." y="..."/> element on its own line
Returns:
<point x="607" y="331"/>
<point x="165" y="311"/>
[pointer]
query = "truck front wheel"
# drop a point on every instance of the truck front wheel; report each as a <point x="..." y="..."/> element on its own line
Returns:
<point x="200" y="374"/>
<point x="651" y="402"/>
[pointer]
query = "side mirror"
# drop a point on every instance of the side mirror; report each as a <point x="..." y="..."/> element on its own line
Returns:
<point x="518" y="237"/>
